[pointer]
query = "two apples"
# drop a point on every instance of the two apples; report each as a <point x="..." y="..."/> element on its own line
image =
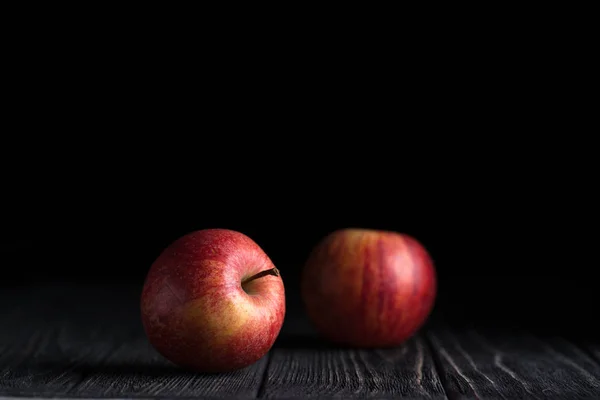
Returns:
<point x="214" y="302"/>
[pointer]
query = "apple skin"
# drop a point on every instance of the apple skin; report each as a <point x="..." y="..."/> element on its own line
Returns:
<point x="368" y="288"/>
<point x="195" y="311"/>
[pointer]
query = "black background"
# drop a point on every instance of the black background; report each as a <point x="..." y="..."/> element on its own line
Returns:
<point x="498" y="216"/>
<point x="489" y="167"/>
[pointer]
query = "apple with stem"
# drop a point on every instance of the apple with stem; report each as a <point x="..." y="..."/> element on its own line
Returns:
<point x="213" y="301"/>
<point x="368" y="288"/>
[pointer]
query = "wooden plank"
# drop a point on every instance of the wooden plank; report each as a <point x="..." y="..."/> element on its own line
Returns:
<point x="135" y="369"/>
<point x="303" y="366"/>
<point x="51" y="337"/>
<point x="32" y="342"/>
<point x="516" y="365"/>
<point x="593" y="347"/>
<point x="89" y="342"/>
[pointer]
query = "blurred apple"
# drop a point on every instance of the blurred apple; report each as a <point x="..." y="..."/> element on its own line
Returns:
<point x="368" y="288"/>
<point x="213" y="301"/>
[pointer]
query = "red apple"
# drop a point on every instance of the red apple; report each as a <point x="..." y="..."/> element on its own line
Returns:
<point x="213" y="301"/>
<point x="368" y="288"/>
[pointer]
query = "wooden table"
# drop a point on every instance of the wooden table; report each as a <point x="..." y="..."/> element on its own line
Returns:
<point x="87" y="342"/>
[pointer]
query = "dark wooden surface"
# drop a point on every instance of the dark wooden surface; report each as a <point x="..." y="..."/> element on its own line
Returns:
<point x="480" y="365"/>
<point x="87" y="342"/>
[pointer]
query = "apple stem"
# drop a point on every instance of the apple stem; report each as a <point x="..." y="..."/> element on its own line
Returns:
<point x="272" y="271"/>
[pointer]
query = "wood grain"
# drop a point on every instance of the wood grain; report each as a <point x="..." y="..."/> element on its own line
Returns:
<point x="593" y="348"/>
<point x="136" y="369"/>
<point x="302" y="366"/>
<point x="90" y="343"/>
<point x="515" y="365"/>
<point x="34" y="358"/>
